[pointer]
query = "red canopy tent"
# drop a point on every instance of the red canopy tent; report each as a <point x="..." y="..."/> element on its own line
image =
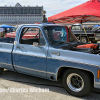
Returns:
<point x="89" y="11"/>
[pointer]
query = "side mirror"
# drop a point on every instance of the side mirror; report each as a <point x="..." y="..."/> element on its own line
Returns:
<point x="35" y="44"/>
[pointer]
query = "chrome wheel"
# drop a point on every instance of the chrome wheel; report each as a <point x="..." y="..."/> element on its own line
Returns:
<point x="75" y="82"/>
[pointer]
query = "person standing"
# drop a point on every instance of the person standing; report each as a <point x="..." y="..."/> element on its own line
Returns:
<point x="5" y="31"/>
<point x="1" y="32"/>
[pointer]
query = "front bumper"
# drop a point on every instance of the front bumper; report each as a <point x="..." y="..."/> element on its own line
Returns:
<point x="97" y="85"/>
<point x="97" y="38"/>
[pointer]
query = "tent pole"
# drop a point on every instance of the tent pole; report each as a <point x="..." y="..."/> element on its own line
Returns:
<point x="85" y="32"/>
<point x="80" y="31"/>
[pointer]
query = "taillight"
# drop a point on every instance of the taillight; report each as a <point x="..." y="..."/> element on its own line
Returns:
<point x="98" y="74"/>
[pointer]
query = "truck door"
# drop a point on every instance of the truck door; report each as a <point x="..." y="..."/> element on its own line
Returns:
<point x="30" y="52"/>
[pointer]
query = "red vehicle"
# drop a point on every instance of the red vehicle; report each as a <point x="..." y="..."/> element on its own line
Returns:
<point x="29" y="34"/>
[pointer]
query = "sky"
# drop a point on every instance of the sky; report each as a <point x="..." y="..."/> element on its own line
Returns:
<point x="52" y="7"/>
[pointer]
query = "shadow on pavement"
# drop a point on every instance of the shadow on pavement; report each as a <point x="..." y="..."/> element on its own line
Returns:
<point x="42" y="83"/>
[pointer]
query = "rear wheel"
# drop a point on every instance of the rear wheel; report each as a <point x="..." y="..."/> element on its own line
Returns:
<point x="76" y="82"/>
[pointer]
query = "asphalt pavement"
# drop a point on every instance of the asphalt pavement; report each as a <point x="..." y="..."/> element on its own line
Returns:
<point x="16" y="86"/>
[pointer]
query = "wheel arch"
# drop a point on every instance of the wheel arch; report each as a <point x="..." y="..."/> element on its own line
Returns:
<point x="62" y="69"/>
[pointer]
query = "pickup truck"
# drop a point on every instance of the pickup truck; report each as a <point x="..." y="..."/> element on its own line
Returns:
<point x="27" y="35"/>
<point x="97" y="33"/>
<point x="53" y="53"/>
<point x="79" y="32"/>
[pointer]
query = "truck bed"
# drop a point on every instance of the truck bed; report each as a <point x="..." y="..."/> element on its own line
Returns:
<point x="7" y="40"/>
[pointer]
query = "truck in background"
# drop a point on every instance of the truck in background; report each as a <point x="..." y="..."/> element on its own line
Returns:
<point x="90" y="34"/>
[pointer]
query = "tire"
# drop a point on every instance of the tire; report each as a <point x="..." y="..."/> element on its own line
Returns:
<point x="84" y="39"/>
<point x="1" y="70"/>
<point x="76" y="82"/>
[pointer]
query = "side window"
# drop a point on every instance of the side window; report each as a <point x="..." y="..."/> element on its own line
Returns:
<point x="6" y="35"/>
<point x="76" y="27"/>
<point x="30" y="35"/>
<point x="72" y="37"/>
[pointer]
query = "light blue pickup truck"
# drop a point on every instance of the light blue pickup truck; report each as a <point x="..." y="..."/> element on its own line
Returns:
<point x="52" y="52"/>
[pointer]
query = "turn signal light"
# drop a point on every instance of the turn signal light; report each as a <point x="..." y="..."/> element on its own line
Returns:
<point x="98" y="74"/>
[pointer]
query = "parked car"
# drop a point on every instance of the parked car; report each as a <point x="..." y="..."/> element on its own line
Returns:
<point x="53" y="53"/>
<point x="27" y="35"/>
<point x="79" y="32"/>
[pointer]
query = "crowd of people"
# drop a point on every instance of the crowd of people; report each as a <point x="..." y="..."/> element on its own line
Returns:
<point x="3" y="31"/>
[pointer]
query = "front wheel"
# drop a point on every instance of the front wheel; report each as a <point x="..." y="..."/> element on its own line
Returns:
<point x="84" y="39"/>
<point x="76" y="82"/>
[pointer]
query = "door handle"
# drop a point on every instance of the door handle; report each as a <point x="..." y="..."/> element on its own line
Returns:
<point x="56" y="53"/>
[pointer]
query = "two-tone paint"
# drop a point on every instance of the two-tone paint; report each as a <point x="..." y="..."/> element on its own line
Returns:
<point x="45" y="61"/>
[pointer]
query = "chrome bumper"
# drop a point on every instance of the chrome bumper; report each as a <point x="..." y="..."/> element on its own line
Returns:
<point x="97" y="85"/>
<point x="97" y="38"/>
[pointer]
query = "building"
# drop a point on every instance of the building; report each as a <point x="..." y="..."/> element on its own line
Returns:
<point x="20" y="15"/>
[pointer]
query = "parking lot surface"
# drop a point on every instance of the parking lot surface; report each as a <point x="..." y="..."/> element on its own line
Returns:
<point x="16" y="86"/>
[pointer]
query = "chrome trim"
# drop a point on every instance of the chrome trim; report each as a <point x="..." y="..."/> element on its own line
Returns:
<point x="6" y="64"/>
<point x="28" y="55"/>
<point x="34" y="70"/>
<point x="6" y="51"/>
<point x="74" y="61"/>
<point x="97" y="83"/>
<point x="76" y="68"/>
<point x="51" y="73"/>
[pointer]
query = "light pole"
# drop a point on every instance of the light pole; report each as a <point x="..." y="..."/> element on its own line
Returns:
<point x="44" y="16"/>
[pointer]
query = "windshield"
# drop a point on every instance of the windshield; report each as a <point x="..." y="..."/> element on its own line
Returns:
<point x="56" y="35"/>
<point x="78" y="27"/>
